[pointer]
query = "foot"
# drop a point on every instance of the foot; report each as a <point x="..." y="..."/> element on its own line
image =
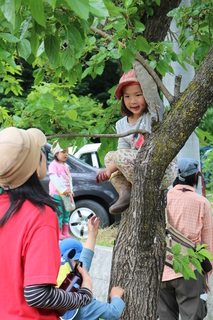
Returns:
<point x="66" y="231"/>
<point x="61" y="236"/>
<point x="119" y="207"/>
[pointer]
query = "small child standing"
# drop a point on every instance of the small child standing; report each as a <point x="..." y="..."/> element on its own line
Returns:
<point x="137" y="105"/>
<point x="60" y="185"/>
<point x="71" y="252"/>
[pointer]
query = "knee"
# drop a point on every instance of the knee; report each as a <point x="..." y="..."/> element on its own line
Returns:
<point x="108" y="158"/>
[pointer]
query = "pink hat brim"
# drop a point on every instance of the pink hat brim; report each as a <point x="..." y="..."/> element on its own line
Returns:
<point x="118" y="91"/>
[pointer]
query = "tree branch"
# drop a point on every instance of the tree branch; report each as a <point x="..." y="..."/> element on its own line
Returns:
<point x="159" y="83"/>
<point x="98" y="135"/>
<point x="101" y="33"/>
<point x="177" y="86"/>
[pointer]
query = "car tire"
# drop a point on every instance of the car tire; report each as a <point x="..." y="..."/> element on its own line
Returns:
<point x="85" y="209"/>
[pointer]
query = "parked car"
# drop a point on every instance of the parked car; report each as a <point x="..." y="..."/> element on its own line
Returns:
<point x="90" y="198"/>
<point x="88" y="153"/>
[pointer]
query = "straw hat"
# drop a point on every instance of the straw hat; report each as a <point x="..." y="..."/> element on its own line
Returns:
<point x="20" y="155"/>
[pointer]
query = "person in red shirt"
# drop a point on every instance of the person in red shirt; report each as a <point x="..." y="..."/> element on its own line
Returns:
<point x="191" y="214"/>
<point x="29" y="235"/>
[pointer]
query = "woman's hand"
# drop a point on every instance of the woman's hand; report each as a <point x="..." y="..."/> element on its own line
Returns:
<point x="87" y="281"/>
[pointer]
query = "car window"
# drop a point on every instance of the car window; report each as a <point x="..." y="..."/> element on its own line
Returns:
<point x="49" y="158"/>
<point x="86" y="157"/>
<point x="100" y="165"/>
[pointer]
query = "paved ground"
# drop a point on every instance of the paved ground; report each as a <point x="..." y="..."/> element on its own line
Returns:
<point x="100" y="273"/>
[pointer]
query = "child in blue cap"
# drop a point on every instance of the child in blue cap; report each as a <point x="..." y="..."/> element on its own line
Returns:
<point x="72" y="251"/>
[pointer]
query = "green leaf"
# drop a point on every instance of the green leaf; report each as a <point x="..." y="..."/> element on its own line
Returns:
<point x="68" y="59"/>
<point x="52" y="2"/>
<point x="168" y="44"/>
<point x="162" y="67"/>
<point x="34" y="41"/>
<point x="127" y="3"/>
<point x="7" y="57"/>
<point x="92" y="40"/>
<point x="8" y="10"/>
<point x="200" y="246"/>
<point x="24" y="48"/>
<point x="139" y="27"/>
<point x="201" y="51"/>
<point x="153" y="64"/>
<point x="24" y="28"/>
<point x="115" y="54"/>
<point x="181" y="56"/>
<point x="203" y="135"/>
<point x="77" y="70"/>
<point x="52" y="47"/>
<point x="127" y="59"/>
<point x="113" y="10"/>
<point x="76" y="38"/>
<point x="176" y="266"/>
<point x="46" y="100"/>
<point x="176" y="249"/>
<point x="131" y="11"/>
<point x="99" y="69"/>
<point x="17" y="5"/>
<point x="72" y="114"/>
<point x="86" y="72"/>
<point x="39" y="77"/>
<point x="37" y="11"/>
<point x="197" y="264"/>
<point x="80" y="7"/>
<point x="131" y="44"/>
<point x="142" y="44"/>
<point x="4" y="54"/>
<point x="188" y="272"/>
<point x="8" y="37"/>
<point x="206" y="254"/>
<point x="158" y="2"/>
<point x="191" y="252"/>
<point x="190" y="48"/>
<point x="98" y="8"/>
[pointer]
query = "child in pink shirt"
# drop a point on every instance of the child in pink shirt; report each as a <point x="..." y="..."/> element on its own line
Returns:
<point x="60" y="185"/>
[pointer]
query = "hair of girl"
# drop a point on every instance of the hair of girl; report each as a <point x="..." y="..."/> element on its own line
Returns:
<point x="32" y="191"/>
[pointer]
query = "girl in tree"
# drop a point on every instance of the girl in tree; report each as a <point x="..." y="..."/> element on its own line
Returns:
<point x="138" y="106"/>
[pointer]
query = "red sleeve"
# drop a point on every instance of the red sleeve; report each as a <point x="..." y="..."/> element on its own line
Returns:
<point x="42" y="254"/>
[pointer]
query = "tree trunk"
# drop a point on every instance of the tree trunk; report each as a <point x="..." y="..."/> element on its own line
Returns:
<point x="139" y="250"/>
<point x="158" y="24"/>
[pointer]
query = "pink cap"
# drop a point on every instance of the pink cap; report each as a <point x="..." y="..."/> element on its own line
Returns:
<point x="126" y="79"/>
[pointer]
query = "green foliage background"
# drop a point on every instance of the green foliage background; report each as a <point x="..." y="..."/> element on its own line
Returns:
<point x="53" y="52"/>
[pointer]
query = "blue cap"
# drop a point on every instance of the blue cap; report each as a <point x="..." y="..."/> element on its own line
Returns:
<point x="69" y="244"/>
<point x="186" y="167"/>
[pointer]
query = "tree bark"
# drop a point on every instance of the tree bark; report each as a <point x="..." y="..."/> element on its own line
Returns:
<point x="139" y="250"/>
<point x="157" y="25"/>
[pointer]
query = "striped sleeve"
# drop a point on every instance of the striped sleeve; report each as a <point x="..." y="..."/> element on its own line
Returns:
<point x="49" y="297"/>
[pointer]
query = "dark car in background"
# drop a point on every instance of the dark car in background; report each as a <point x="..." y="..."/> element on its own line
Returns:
<point x="90" y="198"/>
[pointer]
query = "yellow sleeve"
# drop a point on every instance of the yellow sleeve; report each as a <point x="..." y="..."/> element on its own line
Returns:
<point x="63" y="272"/>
